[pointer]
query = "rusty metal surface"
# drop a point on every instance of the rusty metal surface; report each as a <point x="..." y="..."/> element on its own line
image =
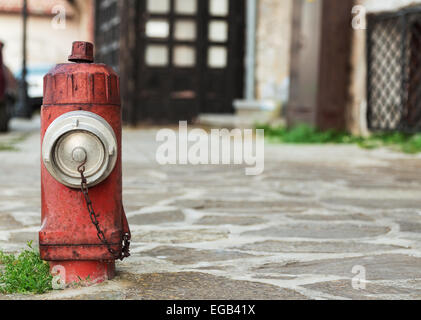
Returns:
<point x="67" y="233"/>
<point x="82" y="52"/>
<point x="81" y="83"/>
<point x="94" y="270"/>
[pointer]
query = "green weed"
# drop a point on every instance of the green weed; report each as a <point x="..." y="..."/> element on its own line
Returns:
<point x="11" y="145"/>
<point x="7" y="147"/>
<point x="24" y="273"/>
<point x="304" y="134"/>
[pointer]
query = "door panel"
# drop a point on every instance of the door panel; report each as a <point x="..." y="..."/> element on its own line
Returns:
<point x="191" y="58"/>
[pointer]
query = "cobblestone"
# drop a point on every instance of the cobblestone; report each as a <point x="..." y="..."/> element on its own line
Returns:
<point x="210" y="232"/>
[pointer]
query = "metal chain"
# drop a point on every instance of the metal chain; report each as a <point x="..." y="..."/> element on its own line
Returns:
<point x="125" y="251"/>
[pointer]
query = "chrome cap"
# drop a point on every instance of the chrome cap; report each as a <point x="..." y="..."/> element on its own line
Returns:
<point x="78" y="137"/>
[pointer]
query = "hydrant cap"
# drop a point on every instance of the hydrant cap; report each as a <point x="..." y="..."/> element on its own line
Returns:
<point x="82" y="52"/>
<point x="77" y="137"/>
<point x="82" y="82"/>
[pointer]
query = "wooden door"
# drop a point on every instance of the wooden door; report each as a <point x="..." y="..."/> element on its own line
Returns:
<point x="190" y="58"/>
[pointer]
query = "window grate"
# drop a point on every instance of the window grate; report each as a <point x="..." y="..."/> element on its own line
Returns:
<point x="394" y="71"/>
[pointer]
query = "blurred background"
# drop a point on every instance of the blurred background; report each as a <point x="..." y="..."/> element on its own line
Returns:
<point x="346" y="65"/>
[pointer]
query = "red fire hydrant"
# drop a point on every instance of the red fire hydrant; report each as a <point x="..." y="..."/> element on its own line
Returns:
<point x="84" y="227"/>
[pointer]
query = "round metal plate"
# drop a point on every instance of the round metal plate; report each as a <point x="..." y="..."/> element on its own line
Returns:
<point x="73" y="138"/>
<point x="73" y="148"/>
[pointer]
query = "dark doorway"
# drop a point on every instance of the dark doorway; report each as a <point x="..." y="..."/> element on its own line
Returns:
<point x="189" y="58"/>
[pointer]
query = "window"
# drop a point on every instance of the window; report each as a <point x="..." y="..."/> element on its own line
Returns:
<point x="157" y="28"/>
<point x="218" y="31"/>
<point x="217" y="57"/>
<point x="185" y="30"/>
<point x="158" y="6"/>
<point x="156" y="55"/>
<point x="184" y="56"/>
<point x="186" y="6"/>
<point x="219" y="7"/>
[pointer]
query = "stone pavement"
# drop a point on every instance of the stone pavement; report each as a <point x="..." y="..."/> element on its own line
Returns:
<point x="298" y="231"/>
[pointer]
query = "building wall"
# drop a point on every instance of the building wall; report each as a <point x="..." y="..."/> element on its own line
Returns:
<point x="357" y="107"/>
<point x="85" y="14"/>
<point x="386" y="5"/>
<point x="46" y="45"/>
<point x="273" y="48"/>
<point x="320" y="63"/>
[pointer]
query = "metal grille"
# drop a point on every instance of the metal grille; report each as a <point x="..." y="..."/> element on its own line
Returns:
<point x="107" y="32"/>
<point x="394" y="71"/>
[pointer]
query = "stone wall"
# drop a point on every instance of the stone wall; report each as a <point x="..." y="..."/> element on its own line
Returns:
<point x="46" y="45"/>
<point x="273" y="48"/>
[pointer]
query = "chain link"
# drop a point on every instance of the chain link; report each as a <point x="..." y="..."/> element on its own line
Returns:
<point x="125" y="251"/>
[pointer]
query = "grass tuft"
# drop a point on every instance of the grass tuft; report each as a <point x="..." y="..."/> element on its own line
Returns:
<point x="7" y="147"/>
<point x="11" y="145"/>
<point x="24" y="273"/>
<point x="304" y="134"/>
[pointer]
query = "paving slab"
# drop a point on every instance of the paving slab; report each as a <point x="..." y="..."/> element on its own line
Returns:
<point x="370" y="291"/>
<point x="156" y="218"/>
<point x="316" y="247"/>
<point x="236" y="220"/>
<point x="378" y="267"/>
<point x="297" y="231"/>
<point x="180" y="255"/>
<point x="320" y="231"/>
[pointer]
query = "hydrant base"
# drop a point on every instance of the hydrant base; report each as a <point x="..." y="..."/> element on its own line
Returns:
<point x="89" y="272"/>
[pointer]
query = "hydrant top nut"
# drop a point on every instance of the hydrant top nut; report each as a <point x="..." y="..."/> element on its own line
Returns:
<point x="82" y="52"/>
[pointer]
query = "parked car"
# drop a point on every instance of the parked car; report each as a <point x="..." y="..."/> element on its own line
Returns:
<point x="8" y="93"/>
<point x="35" y="80"/>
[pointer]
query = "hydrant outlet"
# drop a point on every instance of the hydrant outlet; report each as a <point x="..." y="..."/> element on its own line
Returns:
<point x="75" y="137"/>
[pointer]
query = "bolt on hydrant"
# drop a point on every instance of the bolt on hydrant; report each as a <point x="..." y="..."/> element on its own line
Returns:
<point x="84" y="227"/>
